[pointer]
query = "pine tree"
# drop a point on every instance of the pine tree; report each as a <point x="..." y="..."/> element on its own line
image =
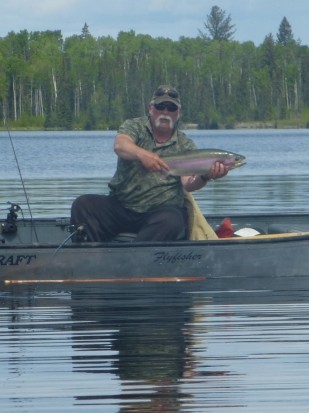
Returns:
<point x="218" y="26"/>
<point x="285" y="34"/>
<point x="85" y="31"/>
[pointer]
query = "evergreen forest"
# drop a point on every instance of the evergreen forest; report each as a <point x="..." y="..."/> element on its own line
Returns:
<point x="83" y="82"/>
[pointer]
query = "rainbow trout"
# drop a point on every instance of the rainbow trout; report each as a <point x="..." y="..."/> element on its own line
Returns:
<point x="200" y="161"/>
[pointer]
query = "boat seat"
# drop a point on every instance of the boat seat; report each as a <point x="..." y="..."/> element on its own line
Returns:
<point x="130" y="237"/>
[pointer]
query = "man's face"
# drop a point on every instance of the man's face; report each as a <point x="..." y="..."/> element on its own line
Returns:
<point x="164" y="115"/>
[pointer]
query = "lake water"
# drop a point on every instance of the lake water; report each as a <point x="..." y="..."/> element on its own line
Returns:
<point x="57" y="167"/>
<point x="153" y="350"/>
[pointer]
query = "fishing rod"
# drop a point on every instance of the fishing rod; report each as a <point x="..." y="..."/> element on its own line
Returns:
<point x="21" y="177"/>
<point x="80" y="230"/>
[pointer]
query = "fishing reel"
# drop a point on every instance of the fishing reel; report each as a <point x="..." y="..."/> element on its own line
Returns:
<point x="9" y="225"/>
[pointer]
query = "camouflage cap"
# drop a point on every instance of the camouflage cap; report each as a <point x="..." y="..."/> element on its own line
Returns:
<point x="165" y="93"/>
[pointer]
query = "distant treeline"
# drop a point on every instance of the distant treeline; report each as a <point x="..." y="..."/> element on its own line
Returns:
<point x="84" y="82"/>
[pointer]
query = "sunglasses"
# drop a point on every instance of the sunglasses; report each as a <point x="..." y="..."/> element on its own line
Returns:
<point x="172" y="93"/>
<point x="171" y="107"/>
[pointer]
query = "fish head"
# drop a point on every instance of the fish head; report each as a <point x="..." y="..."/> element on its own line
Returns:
<point x="240" y="160"/>
<point x="234" y="160"/>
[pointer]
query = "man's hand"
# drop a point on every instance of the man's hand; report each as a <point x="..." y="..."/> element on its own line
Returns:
<point x="152" y="162"/>
<point x="218" y="170"/>
<point x="126" y="148"/>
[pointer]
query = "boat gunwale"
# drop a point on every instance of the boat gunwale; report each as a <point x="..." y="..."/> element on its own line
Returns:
<point x="257" y="239"/>
<point x="65" y="220"/>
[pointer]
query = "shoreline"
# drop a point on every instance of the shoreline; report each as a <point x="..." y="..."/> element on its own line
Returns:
<point x="184" y="126"/>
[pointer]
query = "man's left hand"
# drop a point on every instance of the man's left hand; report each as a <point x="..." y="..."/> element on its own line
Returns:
<point x="218" y="170"/>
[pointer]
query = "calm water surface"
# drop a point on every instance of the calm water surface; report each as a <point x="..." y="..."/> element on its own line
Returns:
<point x="58" y="166"/>
<point x="153" y="349"/>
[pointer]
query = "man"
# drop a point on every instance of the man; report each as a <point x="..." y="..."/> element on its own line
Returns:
<point x="140" y="199"/>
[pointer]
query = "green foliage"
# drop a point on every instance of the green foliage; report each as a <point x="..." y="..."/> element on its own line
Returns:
<point x="84" y="82"/>
<point x="36" y="122"/>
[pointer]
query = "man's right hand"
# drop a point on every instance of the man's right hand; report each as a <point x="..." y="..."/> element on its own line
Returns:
<point x="127" y="149"/>
<point x="152" y="162"/>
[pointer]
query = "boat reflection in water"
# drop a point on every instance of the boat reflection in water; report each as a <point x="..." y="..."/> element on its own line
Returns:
<point x="152" y="349"/>
<point x="149" y="348"/>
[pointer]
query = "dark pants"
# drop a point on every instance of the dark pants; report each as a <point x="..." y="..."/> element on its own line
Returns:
<point x="104" y="217"/>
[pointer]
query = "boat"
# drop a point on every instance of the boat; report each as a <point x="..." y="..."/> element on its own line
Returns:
<point x="41" y="250"/>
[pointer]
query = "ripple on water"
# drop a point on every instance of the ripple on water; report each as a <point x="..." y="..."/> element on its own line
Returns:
<point x="184" y="352"/>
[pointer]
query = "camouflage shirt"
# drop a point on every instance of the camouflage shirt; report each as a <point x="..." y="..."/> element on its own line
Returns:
<point x="138" y="189"/>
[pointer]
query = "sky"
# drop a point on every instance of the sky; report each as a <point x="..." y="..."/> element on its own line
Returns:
<point x="253" y="19"/>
